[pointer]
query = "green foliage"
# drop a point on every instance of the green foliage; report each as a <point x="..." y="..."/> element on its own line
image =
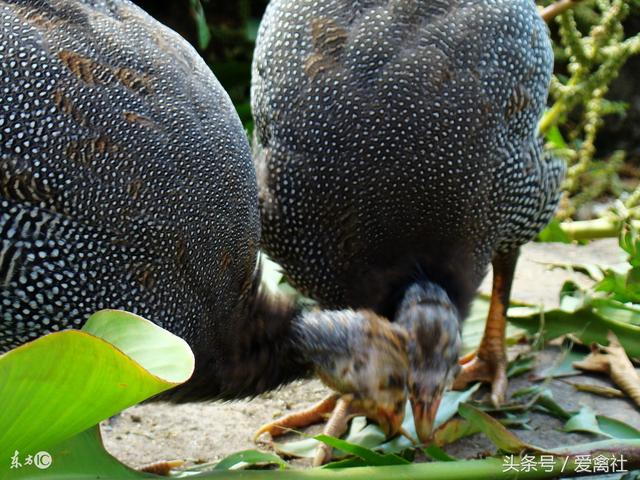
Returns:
<point x="622" y="285"/>
<point x="250" y="458"/>
<point x="79" y="378"/>
<point x="202" y="27"/>
<point x="613" y="303"/>
<point x="591" y="48"/>
<point x="554" y="233"/>
<point x="80" y="457"/>
<point x="586" y="323"/>
<point x="587" y="421"/>
<point x="120" y="359"/>
<point x="630" y="243"/>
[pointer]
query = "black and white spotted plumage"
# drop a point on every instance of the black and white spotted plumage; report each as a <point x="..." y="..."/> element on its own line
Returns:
<point x="125" y="177"/>
<point x="396" y="139"/>
<point x="126" y="182"/>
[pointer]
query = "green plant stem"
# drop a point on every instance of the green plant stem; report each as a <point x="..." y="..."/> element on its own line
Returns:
<point x="551" y="116"/>
<point x="591" y="229"/>
<point x="461" y="470"/>
<point x="634" y="199"/>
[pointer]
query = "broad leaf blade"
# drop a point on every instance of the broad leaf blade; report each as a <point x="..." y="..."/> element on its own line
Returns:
<point x="156" y="350"/>
<point x="248" y="458"/>
<point x="497" y="433"/>
<point x="587" y="325"/>
<point x="372" y="458"/>
<point x="586" y="420"/>
<point x="82" y="456"/>
<point x="64" y="383"/>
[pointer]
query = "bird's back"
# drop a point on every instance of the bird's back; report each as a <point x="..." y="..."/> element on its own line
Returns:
<point x="399" y="135"/>
<point x="125" y="175"/>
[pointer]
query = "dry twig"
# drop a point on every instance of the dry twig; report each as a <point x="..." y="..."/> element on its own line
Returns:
<point x="162" y="468"/>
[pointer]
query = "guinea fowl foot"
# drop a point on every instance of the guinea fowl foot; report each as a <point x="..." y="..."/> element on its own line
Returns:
<point x="485" y="366"/>
<point x="346" y="408"/>
<point x="333" y="409"/>
<point x="489" y="364"/>
<point x="294" y="421"/>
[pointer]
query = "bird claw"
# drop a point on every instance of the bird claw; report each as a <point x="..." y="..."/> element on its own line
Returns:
<point x="297" y="420"/>
<point x="339" y="409"/>
<point x="336" y="426"/>
<point x="490" y="368"/>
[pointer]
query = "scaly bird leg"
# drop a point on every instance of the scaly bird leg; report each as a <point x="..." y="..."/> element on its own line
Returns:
<point x="337" y="410"/>
<point x="294" y="421"/>
<point x="346" y="408"/>
<point x="336" y="426"/>
<point x="490" y="362"/>
<point x="335" y="407"/>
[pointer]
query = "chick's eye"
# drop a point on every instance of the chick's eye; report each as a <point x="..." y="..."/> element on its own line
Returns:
<point x="395" y="381"/>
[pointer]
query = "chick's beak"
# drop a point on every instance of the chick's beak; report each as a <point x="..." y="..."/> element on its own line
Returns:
<point x="424" y="416"/>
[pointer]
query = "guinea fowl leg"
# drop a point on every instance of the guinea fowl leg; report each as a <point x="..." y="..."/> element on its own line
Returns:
<point x="294" y="421"/>
<point x="490" y="362"/>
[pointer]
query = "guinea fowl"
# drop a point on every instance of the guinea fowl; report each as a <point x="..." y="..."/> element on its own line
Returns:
<point x="397" y="156"/>
<point x="126" y="182"/>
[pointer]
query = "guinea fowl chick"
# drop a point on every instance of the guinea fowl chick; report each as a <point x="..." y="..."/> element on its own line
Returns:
<point x="397" y="156"/>
<point x="126" y="182"/>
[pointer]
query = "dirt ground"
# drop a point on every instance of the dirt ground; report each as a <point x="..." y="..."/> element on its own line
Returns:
<point x="207" y="432"/>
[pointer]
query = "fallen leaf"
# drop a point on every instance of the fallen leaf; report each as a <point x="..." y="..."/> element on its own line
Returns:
<point x="613" y="361"/>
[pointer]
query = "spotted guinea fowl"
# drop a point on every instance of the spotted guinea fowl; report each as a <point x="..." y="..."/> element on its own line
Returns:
<point x="397" y="157"/>
<point x="126" y="182"/>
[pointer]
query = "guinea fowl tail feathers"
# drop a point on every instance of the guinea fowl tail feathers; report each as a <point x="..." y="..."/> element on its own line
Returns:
<point x="261" y="354"/>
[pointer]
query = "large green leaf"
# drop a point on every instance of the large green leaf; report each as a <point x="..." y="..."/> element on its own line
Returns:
<point x="239" y="460"/>
<point x="63" y="383"/>
<point x="77" y="457"/>
<point x="584" y="323"/>
<point x="618" y="311"/>
<point x="368" y="455"/>
<point x="492" y="428"/>
<point x="586" y="420"/>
